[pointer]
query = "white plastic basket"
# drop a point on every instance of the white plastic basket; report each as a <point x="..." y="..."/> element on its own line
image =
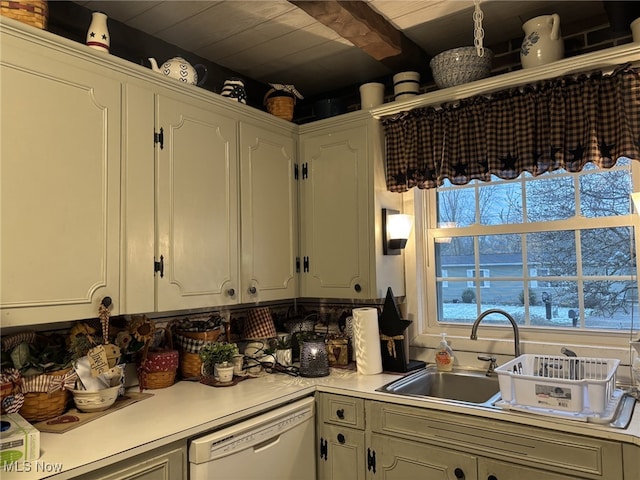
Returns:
<point x="570" y="384"/>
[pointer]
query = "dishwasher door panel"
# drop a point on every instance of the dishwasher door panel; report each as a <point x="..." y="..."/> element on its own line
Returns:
<point x="277" y="445"/>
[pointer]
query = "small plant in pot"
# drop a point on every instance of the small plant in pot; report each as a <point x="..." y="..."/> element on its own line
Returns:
<point x="217" y="359"/>
<point x="284" y="354"/>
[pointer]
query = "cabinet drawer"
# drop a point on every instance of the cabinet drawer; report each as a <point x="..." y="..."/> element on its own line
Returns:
<point x="576" y="455"/>
<point x="341" y="410"/>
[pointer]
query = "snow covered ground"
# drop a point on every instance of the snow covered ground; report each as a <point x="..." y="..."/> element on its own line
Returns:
<point x="467" y="313"/>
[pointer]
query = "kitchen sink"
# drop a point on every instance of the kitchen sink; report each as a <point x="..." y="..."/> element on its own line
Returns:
<point x="468" y="386"/>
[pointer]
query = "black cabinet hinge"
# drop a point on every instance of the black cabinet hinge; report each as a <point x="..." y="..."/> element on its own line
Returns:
<point x="371" y="460"/>
<point x="323" y="448"/>
<point x="297" y="264"/>
<point x="305" y="171"/>
<point x="158" y="266"/>
<point x="159" y="138"/>
<point x="295" y="171"/>
<point x="305" y="264"/>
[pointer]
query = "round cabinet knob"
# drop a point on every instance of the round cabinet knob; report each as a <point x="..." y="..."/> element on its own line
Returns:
<point x="459" y="473"/>
<point x="492" y="477"/>
<point x="231" y="292"/>
<point x="357" y="287"/>
<point x="252" y="290"/>
<point x="341" y="438"/>
<point x="340" y="413"/>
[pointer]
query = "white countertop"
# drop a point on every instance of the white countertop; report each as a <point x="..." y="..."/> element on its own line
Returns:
<point x="188" y="409"/>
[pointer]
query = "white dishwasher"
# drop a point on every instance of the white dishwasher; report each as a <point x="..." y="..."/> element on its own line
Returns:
<point x="279" y="444"/>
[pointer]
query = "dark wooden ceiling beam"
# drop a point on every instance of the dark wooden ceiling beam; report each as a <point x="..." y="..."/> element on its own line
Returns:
<point x="357" y="22"/>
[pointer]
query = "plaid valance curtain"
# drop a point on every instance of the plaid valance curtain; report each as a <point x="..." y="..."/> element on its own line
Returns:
<point x="561" y="123"/>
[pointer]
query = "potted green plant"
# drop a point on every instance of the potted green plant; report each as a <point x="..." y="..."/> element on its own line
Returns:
<point x="284" y="353"/>
<point x="217" y="358"/>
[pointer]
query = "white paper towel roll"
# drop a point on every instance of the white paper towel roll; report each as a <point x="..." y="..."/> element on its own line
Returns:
<point x="366" y="340"/>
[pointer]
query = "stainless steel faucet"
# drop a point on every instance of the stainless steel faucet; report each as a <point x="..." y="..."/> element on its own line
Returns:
<point x="516" y="332"/>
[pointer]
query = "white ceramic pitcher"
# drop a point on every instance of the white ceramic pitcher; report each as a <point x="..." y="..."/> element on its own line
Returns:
<point x="542" y="42"/>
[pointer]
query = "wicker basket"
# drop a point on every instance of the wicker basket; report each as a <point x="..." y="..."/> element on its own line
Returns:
<point x="39" y="406"/>
<point x="31" y="12"/>
<point x="155" y="380"/>
<point x="208" y="336"/>
<point x="281" y="107"/>
<point x="190" y="365"/>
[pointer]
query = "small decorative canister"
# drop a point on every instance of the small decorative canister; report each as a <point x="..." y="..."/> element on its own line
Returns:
<point x="338" y="351"/>
<point x="234" y="88"/>
<point x="98" y="33"/>
<point x="371" y="95"/>
<point x="542" y="42"/>
<point x="406" y="85"/>
<point x="635" y="30"/>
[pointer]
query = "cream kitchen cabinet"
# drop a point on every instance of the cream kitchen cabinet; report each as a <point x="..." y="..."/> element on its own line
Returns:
<point x="340" y="438"/>
<point x="181" y="202"/>
<point x="342" y="194"/>
<point x="59" y="182"/>
<point x="503" y="450"/>
<point x="218" y="216"/>
<point x="165" y="463"/>
<point x="396" y="458"/>
<point x="269" y="213"/>
<point x="496" y="470"/>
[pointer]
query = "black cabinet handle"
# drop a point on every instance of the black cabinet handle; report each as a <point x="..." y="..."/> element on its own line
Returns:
<point x="341" y="438"/>
<point x="253" y="290"/>
<point x="492" y="477"/>
<point x="340" y="413"/>
<point x="459" y="473"/>
<point x="357" y="287"/>
<point x="231" y="292"/>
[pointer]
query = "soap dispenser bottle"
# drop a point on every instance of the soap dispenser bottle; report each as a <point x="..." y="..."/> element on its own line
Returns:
<point x="444" y="355"/>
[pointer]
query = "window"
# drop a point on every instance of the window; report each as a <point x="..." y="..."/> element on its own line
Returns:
<point x="559" y="249"/>
<point x="482" y="274"/>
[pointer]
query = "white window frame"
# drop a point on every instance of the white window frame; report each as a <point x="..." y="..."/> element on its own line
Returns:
<point x="422" y="306"/>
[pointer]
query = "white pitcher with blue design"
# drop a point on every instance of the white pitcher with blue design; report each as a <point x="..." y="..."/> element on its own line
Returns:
<point x="542" y="42"/>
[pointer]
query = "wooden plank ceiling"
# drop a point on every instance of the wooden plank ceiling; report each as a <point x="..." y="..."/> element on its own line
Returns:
<point x="321" y="46"/>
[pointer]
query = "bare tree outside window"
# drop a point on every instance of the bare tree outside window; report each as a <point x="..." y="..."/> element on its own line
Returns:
<point x="559" y="248"/>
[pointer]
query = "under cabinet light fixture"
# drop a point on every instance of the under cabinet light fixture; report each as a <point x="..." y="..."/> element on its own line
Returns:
<point x="396" y="228"/>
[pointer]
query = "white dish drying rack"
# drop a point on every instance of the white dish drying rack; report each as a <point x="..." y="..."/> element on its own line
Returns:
<point x="578" y="388"/>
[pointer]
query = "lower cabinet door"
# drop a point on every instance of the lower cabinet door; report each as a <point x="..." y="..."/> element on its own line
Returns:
<point x="167" y="463"/>
<point x="341" y="451"/>
<point x="397" y="459"/>
<point x="495" y="470"/>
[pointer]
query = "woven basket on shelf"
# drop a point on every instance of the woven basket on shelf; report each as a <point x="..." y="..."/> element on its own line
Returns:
<point x="281" y="107"/>
<point x="31" y="12"/>
<point x="190" y="362"/>
<point x="40" y="406"/>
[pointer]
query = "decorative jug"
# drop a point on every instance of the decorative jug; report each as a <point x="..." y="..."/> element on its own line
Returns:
<point x="542" y="42"/>
<point x="98" y="33"/>
<point x="180" y="69"/>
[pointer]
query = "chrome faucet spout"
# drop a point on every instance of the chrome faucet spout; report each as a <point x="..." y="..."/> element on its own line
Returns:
<point x="516" y="331"/>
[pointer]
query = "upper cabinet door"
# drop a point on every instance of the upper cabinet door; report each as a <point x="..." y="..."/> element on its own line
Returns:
<point x="197" y="205"/>
<point x="59" y="186"/>
<point x="335" y="216"/>
<point x="269" y="214"/>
